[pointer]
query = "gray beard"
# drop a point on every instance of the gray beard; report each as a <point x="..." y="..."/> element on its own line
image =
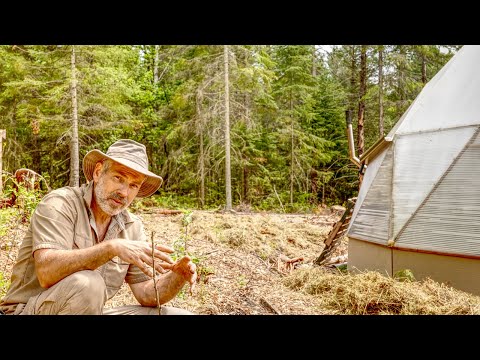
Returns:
<point x="102" y="200"/>
<point x="107" y="208"/>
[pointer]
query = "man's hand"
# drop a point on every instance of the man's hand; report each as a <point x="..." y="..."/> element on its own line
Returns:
<point x="140" y="253"/>
<point x="187" y="269"/>
<point x="168" y="285"/>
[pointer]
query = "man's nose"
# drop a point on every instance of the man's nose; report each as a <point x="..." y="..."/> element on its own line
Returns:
<point x="123" y="190"/>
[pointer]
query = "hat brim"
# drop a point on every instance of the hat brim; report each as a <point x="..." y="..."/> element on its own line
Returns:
<point x="151" y="184"/>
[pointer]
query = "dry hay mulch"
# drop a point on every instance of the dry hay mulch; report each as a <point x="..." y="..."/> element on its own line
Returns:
<point x="372" y="293"/>
<point x="267" y="235"/>
<point x="237" y="258"/>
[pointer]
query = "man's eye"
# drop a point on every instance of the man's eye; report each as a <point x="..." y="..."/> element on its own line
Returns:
<point x="117" y="178"/>
<point x="134" y="186"/>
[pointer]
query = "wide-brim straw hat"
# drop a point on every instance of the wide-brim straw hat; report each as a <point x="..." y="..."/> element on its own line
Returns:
<point x="130" y="154"/>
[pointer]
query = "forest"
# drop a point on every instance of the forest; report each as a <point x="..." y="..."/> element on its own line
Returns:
<point x="254" y="126"/>
<point x="251" y="143"/>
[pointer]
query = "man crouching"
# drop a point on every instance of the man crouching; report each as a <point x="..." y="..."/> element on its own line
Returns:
<point x="83" y="243"/>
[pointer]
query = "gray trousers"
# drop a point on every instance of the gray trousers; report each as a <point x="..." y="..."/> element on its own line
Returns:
<point x="84" y="293"/>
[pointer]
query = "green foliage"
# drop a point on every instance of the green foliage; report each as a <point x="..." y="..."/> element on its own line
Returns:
<point x="7" y="218"/>
<point x="287" y="114"/>
<point x="342" y="268"/>
<point x="187" y="219"/>
<point x="303" y="203"/>
<point x="404" y="275"/>
<point x="170" y="200"/>
<point x="242" y="281"/>
<point x="179" y="250"/>
<point x="180" y="244"/>
<point x="26" y="200"/>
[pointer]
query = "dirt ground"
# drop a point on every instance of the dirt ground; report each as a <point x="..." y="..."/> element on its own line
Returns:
<point x="238" y="261"/>
<point x="238" y="256"/>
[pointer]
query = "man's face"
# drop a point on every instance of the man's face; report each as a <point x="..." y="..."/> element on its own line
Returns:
<point x="115" y="188"/>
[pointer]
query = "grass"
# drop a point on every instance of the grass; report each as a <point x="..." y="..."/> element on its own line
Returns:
<point x="371" y="293"/>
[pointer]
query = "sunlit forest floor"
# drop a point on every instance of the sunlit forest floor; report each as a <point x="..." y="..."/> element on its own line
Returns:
<point x="237" y="257"/>
<point x="241" y="262"/>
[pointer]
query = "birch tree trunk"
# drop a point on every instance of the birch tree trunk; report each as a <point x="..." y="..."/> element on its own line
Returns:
<point x="228" y="185"/>
<point x="74" y="156"/>
<point x="201" y="160"/>
<point x="248" y="121"/>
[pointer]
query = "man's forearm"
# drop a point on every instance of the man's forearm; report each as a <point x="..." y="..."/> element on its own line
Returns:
<point x="54" y="265"/>
<point x="168" y="285"/>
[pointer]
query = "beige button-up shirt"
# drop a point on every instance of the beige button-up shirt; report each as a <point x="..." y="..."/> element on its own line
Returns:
<point x="63" y="220"/>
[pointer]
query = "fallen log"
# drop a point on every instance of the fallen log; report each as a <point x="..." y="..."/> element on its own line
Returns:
<point x="164" y="212"/>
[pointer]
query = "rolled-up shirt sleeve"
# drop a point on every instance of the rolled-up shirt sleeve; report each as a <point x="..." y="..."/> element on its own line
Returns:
<point x="135" y="275"/>
<point x="53" y="225"/>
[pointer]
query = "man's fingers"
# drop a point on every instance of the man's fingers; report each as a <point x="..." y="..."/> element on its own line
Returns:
<point x="187" y="264"/>
<point x="162" y="267"/>
<point x="184" y="261"/>
<point x="185" y="268"/>
<point x="193" y="283"/>
<point x="164" y="257"/>
<point x="164" y="248"/>
<point x="192" y="287"/>
<point x="159" y="255"/>
<point x="147" y="270"/>
<point x="193" y="280"/>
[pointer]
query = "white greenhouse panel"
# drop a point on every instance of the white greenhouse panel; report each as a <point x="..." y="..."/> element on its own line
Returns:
<point x="419" y="162"/>
<point x="368" y="177"/>
<point x="449" y="221"/>
<point x="372" y="220"/>
<point x="450" y="99"/>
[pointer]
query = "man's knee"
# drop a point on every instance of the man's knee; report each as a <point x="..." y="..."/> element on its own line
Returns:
<point x="87" y="290"/>
<point x="87" y="281"/>
<point x="83" y="292"/>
